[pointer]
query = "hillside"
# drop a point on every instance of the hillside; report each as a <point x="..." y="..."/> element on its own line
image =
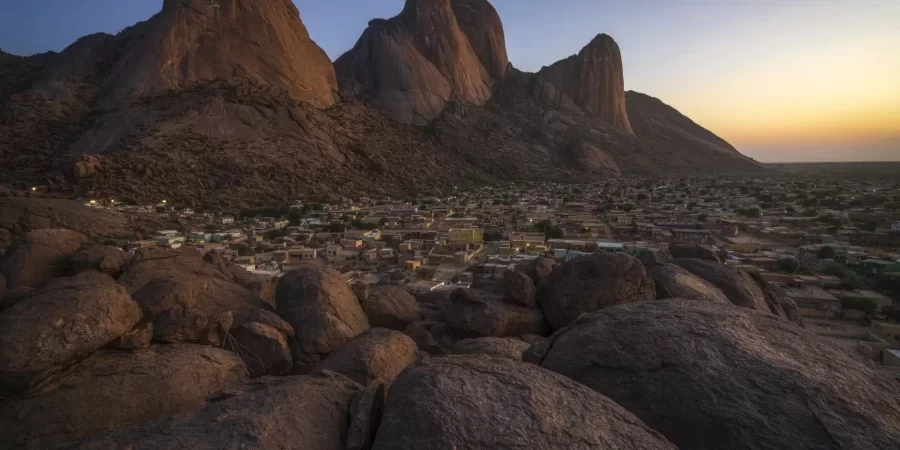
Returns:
<point x="184" y="107"/>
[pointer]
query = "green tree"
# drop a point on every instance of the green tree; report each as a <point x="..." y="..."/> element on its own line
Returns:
<point x="550" y="231"/>
<point x="425" y="273"/>
<point x="789" y="265"/>
<point x="860" y="304"/>
<point x="826" y="252"/>
<point x="702" y="218"/>
<point x="274" y="234"/>
<point x="752" y="213"/>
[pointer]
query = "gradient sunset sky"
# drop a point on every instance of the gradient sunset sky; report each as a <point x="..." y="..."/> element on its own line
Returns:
<point x="782" y="80"/>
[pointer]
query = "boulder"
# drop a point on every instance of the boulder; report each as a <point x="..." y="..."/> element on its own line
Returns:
<point x="2" y="288"/>
<point x="651" y="259"/>
<point x="361" y="290"/>
<point x="303" y="412"/>
<point x="777" y="300"/>
<point x="216" y="260"/>
<point x="376" y="355"/>
<point x="263" y="348"/>
<point x="39" y="256"/>
<point x="479" y="314"/>
<point x="538" y="269"/>
<point x="365" y="415"/>
<point x="161" y="279"/>
<point x="322" y="309"/>
<point x="140" y="337"/>
<point x="89" y="276"/>
<point x="713" y="376"/>
<point x="108" y="260"/>
<point x="518" y="289"/>
<point x="391" y="307"/>
<point x="14" y="296"/>
<point x="589" y="283"/>
<point x="694" y="251"/>
<point x="481" y="402"/>
<point x="59" y="326"/>
<point x="673" y="281"/>
<point x="271" y="319"/>
<point x="191" y="326"/>
<point x="420" y="333"/>
<point x="113" y="390"/>
<point x="500" y="347"/>
<point x="737" y="285"/>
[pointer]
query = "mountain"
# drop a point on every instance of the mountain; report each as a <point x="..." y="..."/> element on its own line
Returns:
<point x="590" y="82"/>
<point x="412" y="65"/>
<point x="235" y="105"/>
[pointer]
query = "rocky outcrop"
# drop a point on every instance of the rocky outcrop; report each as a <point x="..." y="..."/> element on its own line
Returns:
<point x="390" y="307"/>
<point x="39" y="256"/>
<point x="478" y="314"/>
<point x="739" y="287"/>
<point x="321" y="308"/>
<point x="591" y="82"/>
<point x="777" y="299"/>
<point x="508" y="348"/>
<point x="673" y="281"/>
<point x="712" y="376"/>
<point x="589" y="283"/>
<point x="518" y="288"/>
<point x="108" y="260"/>
<point x="58" y="326"/>
<point x="113" y="390"/>
<point x="378" y="355"/>
<point x="413" y="65"/>
<point x="264" y="349"/>
<point x="191" y="42"/>
<point x="309" y="412"/>
<point x="480" y="402"/>
<point x="538" y="268"/>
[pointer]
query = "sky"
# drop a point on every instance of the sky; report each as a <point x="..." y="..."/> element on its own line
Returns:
<point x="782" y="80"/>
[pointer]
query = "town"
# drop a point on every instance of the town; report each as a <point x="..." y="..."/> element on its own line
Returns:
<point x="832" y="246"/>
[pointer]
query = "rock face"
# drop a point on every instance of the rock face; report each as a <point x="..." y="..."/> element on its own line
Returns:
<point x="591" y="82"/>
<point x="390" y="307"/>
<point x="696" y="251"/>
<point x="321" y="308"/>
<point x="538" y="269"/>
<point x="414" y="64"/>
<point x="161" y="279"/>
<point x="479" y="402"/>
<point x="589" y="283"/>
<point x="711" y="376"/>
<point x="500" y="347"/>
<point x="478" y="314"/>
<point x="113" y="390"/>
<point x="38" y="257"/>
<point x="309" y="412"/>
<point x="777" y="300"/>
<point x="192" y="42"/>
<point x="378" y="355"/>
<point x="108" y="260"/>
<point x="673" y="281"/>
<point x="518" y="288"/>
<point x="739" y="287"/>
<point x="263" y="348"/>
<point x="58" y="326"/>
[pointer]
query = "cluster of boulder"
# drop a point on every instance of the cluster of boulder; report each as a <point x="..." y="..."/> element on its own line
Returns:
<point x="174" y="349"/>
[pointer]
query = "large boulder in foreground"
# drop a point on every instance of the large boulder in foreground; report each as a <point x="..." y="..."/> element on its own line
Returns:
<point x="593" y="282"/>
<point x="478" y="314"/>
<point x="695" y="251"/>
<point x="113" y="390"/>
<point x="713" y="376"/>
<point x="390" y="307"/>
<point x="104" y="259"/>
<point x="737" y="285"/>
<point x="480" y="402"/>
<point x="673" y="281"/>
<point x="378" y="355"/>
<point x="58" y="326"/>
<point x="303" y="412"/>
<point x="161" y="279"/>
<point x="538" y="268"/>
<point x="264" y="349"/>
<point x="323" y="310"/>
<point x="38" y="256"/>
<point x="518" y="288"/>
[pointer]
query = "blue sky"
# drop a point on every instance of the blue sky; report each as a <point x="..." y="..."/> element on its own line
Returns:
<point x="781" y="79"/>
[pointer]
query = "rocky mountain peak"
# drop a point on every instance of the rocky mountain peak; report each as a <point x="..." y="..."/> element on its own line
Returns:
<point x="196" y="41"/>
<point x="591" y="82"/>
<point x="432" y="53"/>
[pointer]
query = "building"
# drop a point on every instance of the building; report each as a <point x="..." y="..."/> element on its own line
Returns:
<point x="814" y="301"/>
<point x="466" y="236"/>
<point x="888" y="331"/>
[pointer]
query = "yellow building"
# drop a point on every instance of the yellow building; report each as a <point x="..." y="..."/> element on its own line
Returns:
<point x="466" y="236"/>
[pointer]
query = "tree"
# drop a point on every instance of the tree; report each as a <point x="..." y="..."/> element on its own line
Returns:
<point x="826" y="252"/>
<point x="550" y="231"/>
<point x="492" y="236"/>
<point x="702" y="218"/>
<point x="789" y="265"/>
<point x="274" y="234"/>
<point x="749" y="212"/>
<point x="691" y="206"/>
<point x="425" y="273"/>
<point x="866" y="305"/>
<point x="628" y="207"/>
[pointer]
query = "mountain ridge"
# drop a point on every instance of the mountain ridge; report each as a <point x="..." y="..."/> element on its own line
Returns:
<point x="71" y="124"/>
